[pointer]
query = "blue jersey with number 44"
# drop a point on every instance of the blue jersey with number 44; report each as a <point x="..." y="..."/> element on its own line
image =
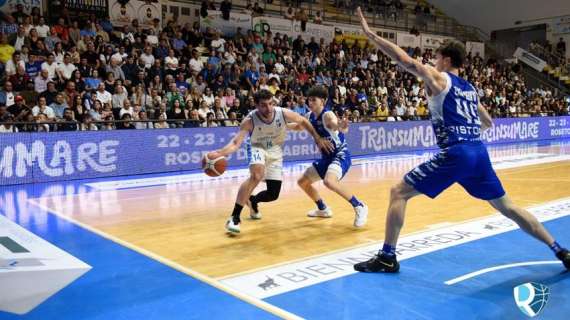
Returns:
<point x="454" y="112"/>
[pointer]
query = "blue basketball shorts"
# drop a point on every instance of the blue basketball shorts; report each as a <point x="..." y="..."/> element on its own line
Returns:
<point x="466" y="163"/>
<point x="337" y="165"/>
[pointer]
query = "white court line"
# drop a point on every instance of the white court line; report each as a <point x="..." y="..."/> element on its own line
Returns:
<point x="308" y="271"/>
<point x="501" y="267"/>
<point x="193" y="273"/>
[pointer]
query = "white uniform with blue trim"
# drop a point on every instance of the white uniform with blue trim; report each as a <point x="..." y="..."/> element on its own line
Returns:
<point x="265" y="143"/>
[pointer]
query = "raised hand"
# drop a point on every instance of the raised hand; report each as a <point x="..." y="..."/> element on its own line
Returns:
<point x="363" y="21"/>
<point x="343" y="124"/>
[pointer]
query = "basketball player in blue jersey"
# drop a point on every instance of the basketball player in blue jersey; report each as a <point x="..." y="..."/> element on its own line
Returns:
<point x="457" y="119"/>
<point x="332" y="167"/>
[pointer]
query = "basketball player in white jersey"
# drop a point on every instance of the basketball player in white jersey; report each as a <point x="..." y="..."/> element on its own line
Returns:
<point x="267" y="130"/>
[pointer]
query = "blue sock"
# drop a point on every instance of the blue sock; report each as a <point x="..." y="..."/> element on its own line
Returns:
<point x="555" y="247"/>
<point x="354" y="202"/>
<point x="321" y="205"/>
<point x="388" y="250"/>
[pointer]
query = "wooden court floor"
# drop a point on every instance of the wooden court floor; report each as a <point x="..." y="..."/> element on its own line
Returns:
<point x="184" y="222"/>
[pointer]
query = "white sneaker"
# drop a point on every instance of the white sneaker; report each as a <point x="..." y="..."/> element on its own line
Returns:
<point x="252" y="214"/>
<point x="326" y="213"/>
<point x="360" y="215"/>
<point x="232" y="227"/>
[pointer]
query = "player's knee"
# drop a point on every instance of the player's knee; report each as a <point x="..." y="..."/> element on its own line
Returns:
<point x="256" y="177"/>
<point x="303" y="182"/>
<point x="396" y="192"/>
<point x="329" y="182"/>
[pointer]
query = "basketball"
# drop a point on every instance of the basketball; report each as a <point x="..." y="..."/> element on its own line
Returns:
<point x="213" y="164"/>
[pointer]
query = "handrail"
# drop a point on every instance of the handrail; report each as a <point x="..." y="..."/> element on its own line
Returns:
<point x="372" y="118"/>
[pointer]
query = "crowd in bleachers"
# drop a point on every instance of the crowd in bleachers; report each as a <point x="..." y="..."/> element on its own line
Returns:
<point x="86" y="74"/>
<point x="554" y="55"/>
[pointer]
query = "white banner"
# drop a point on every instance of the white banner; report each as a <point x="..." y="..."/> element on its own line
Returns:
<point x="408" y="40"/>
<point x="314" y="30"/>
<point x="475" y="47"/>
<point x="226" y="27"/>
<point x="9" y="6"/>
<point x="182" y="12"/>
<point x="561" y="25"/>
<point x="144" y="12"/>
<point x="275" y="25"/>
<point x="530" y="59"/>
<point x="355" y="30"/>
<point x="431" y="41"/>
<point x="292" y="28"/>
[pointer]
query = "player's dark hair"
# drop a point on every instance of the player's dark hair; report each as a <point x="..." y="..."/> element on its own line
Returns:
<point x="319" y="92"/>
<point x="454" y="50"/>
<point x="262" y="95"/>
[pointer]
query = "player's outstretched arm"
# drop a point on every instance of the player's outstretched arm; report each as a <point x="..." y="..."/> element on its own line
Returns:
<point x="432" y="78"/>
<point x="301" y="121"/>
<point x="486" y="120"/>
<point x="245" y="128"/>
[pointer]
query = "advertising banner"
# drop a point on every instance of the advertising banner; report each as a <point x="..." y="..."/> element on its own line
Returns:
<point x="40" y="157"/>
<point x="431" y="41"/>
<point x="227" y="27"/>
<point x="144" y="12"/>
<point x="275" y="25"/>
<point x="9" y="6"/>
<point x="408" y="40"/>
<point x="530" y="59"/>
<point x="475" y="47"/>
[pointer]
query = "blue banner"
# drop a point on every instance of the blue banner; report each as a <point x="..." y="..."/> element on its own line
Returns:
<point x="42" y="157"/>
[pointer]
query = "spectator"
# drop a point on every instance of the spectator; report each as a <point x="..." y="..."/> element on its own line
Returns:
<point x="289" y="14"/>
<point x="6" y="50"/>
<point x="103" y="95"/>
<point x="50" y="65"/>
<point x="161" y="124"/>
<point x="13" y="64"/>
<point x="65" y="70"/>
<point x="303" y="18"/>
<point x="42" y="28"/>
<point x="51" y="92"/>
<point x="6" y="126"/>
<point x="143" y="125"/>
<point x="59" y="106"/>
<point x="317" y="19"/>
<point x="560" y="47"/>
<point x="257" y="10"/>
<point x="43" y="108"/>
<point x="19" y="15"/>
<point x="69" y="123"/>
<point x="19" y="109"/>
<point x="226" y="8"/>
<point x="7" y="96"/>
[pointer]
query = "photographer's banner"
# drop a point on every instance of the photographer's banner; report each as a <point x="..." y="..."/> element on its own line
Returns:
<point x="42" y="157"/>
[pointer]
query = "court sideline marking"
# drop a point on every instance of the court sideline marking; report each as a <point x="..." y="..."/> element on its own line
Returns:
<point x="317" y="269"/>
<point x="195" y="274"/>
<point x="428" y="228"/>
